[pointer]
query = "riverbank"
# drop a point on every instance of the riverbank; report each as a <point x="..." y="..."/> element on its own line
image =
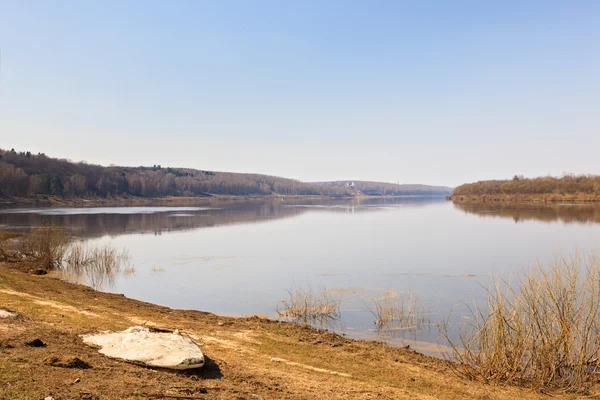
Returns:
<point x="60" y="201"/>
<point x="248" y="358"/>
<point x="527" y="198"/>
<point x="115" y="201"/>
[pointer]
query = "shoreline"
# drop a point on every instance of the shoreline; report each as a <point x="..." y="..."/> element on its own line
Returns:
<point x="249" y="358"/>
<point x="526" y="198"/>
<point x="56" y="201"/>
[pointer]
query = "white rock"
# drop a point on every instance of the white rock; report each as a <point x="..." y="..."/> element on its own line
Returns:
<point x="155" y="349"/>
<point x="8" y="314"/>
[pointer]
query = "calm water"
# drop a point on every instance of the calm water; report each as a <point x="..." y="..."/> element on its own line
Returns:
<point x="239" y="259"/>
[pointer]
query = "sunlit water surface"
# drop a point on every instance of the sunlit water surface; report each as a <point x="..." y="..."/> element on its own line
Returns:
<point x="242" y="258"/>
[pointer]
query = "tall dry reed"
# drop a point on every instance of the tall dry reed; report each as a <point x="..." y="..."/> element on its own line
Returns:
<point x="398" y="314"/>
<point x="47" y="244"/>
<point x="308" y="306"/>
<point x="95" y="265"/>
<point x="542" y="331"/>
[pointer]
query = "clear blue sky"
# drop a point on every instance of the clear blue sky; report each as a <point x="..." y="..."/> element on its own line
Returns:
<point x="438" y="92"/>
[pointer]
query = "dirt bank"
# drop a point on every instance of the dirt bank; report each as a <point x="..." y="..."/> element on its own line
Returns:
<point x="248" y="358"/>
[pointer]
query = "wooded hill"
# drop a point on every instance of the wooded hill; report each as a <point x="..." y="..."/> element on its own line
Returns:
<point x="391" y="189"/>
<point x="547" y="185"/>
<point x="23" y="174"/>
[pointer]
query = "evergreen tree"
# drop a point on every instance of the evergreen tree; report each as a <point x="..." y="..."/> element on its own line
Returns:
<point x="56" y="186"/>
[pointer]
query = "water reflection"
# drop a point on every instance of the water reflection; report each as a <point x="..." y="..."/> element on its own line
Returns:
<point x="400" y="315"/>
<point x="545" y="212"/>
<point x="113" y="221"/>
<point x="359" y="249"/>
<point x="95" y="266"/>
<point x="319" y="308"/>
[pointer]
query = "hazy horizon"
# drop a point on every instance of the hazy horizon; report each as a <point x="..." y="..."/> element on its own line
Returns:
<point x="423" y="93"/>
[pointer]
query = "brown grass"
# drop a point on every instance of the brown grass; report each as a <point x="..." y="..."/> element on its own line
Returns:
<point x="403" y="313"/>
<point x="97" y="266"/>
<point x="6" y="243"/>
<point x="542" y="332"/>
<point x="308" y="306"/>
<point x="47" y="245"/>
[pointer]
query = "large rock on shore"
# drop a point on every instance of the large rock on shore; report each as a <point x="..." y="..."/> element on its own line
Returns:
<point x="8" y="314"/>
<point x="154" y="349"/>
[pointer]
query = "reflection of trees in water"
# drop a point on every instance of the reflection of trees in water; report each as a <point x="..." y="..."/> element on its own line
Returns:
<point x="548" y="212"/>
<point x="94" y="225"/>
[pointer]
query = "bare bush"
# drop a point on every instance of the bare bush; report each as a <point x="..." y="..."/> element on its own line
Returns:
<point x="543" y="332"/>
<point x="6" y="242"/>
<point x="47" y="245"/>
<point x="309" y="307"/>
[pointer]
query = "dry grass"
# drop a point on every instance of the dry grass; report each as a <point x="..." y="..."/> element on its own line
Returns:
<point x="308" y="306"/>
<point x="6" y="242"/>
<point x="47" y="245"/>
<point x="543" y="332"/>
<point x="95" y="265"/>
<point x="157" y="269"/>
<point x="129" y="270"/>
<point x="400" y="313"/>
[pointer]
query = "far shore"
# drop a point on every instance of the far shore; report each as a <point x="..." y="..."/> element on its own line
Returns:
<point x="527" y="198"/>
<point x="60" y="201"/>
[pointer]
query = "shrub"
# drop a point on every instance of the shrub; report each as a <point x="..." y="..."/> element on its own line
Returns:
<point x="543" y="332"/>
<point x="47" y="245"/>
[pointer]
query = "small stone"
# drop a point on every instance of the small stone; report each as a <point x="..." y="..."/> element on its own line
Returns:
<point x="77" y="380"/>
<point x="35" y="343"/>
<point x="40" y="272"/>
<point x="73" y="362"/>
<point x="48" y="398"/>
<point x="8" y="314"/>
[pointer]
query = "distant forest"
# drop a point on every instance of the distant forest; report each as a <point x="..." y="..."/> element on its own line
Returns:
<point x="566" y="185"/>
<point x="23" y="174"/>
<point x="391" y="189"/>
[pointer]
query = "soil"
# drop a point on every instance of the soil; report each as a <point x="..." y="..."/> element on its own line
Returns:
<point x="246" y="358"/>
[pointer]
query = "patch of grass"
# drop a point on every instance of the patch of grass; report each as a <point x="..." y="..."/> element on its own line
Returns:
<point x="6" y="239"/>
<point x="542" y="332"/>
<point x="307" y="306"/>
<point x="400" y="313"/>
<point x="129" y="270"/>
<point x="47" y="245"/>
<point x="96" y="265"/>
<point x="157" y="269"/>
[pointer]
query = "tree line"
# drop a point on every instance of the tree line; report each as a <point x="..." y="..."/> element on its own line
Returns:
<point x="369" y="188"/>
<point x="24" y="174"/>
<point x="519" y="185"/>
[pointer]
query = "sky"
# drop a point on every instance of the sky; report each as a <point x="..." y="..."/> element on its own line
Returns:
<point x="433" y="92"/>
